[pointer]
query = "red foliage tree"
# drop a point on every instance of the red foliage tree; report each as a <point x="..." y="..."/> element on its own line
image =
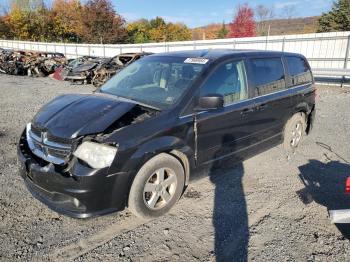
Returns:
<point x="243" y="24"/>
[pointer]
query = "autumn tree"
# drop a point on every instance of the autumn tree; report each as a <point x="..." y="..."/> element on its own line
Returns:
<point x="67" y="15"/>
<point x="20" y="23"/>
<point x="177" y="32"/>
<point x="243" y="24"/>
<point x="30" y="20"/>
<point x="338" y="19"/>
<point x="101" y="24"/>
<point x="157" y="30"/>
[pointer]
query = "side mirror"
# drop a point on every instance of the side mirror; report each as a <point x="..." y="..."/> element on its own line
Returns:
<point x="210" y="102"/>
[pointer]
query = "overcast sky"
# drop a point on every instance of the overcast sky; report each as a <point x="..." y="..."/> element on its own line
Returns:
<point x="202" y="12"/>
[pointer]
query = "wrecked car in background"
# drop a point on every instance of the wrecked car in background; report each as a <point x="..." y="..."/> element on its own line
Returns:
<point x="98" y="70"/>
<point x="82" y="71"/>
<point x="62" y="72"/>
<point x="30" y="63"/>
<point x="43" y="64"/>
<point x="12" y="62"/>
<point x="109" y="68"/>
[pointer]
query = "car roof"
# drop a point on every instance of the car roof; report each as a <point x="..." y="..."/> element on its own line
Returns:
<point x="214" y="54"/>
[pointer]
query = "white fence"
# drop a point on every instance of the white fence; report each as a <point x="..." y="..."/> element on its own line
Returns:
<point x="324" y="50"/>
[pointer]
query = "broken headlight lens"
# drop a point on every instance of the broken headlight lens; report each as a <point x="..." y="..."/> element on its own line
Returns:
<point x="96" y="155"/>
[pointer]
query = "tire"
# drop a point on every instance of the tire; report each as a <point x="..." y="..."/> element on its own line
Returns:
<point x="294" y="131"/>
<point x="151" y="196"/>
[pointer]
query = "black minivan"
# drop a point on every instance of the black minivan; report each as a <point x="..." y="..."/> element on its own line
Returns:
<point x="136" y="141"/>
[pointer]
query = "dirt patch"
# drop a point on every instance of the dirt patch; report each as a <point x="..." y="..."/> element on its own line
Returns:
<point x="272" y="207"/>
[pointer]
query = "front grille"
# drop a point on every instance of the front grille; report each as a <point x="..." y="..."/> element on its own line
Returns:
<point x="36" y="131"/>
<point x="59" y="139"/>
<point x="50" y="148"/>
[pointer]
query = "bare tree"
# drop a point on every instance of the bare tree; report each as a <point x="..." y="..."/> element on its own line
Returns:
<point x="28" y="5"/>
<point x="289" y="11"/>
<point x="263" y="14"/>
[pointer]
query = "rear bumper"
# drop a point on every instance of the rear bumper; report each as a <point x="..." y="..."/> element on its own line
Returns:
<point x="80" y="193"/>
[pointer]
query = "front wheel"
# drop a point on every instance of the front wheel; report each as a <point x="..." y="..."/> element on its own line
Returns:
<point x="157" y="186"/>
<point x="294" y="131"/>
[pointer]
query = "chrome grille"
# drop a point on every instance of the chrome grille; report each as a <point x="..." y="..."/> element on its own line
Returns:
<point x="47" y="146"/>
<point x="35" y="130"/>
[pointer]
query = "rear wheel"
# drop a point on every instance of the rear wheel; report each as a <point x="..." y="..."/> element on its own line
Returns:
<point x="294" y="131"/>
<point x="157" y="186"/>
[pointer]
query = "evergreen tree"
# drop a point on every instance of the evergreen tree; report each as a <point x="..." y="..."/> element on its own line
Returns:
<point x="338" y="19"/>
<point x="223" y="32"/>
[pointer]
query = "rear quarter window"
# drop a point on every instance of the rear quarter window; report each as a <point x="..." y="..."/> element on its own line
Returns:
<point x="268" y="75"/>
<point x="299" y="70"/>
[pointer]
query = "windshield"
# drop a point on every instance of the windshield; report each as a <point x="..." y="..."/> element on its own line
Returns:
<point x="156" y="81"/>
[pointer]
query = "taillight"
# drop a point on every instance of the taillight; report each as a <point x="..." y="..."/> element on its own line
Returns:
<point x="347" y="187"/>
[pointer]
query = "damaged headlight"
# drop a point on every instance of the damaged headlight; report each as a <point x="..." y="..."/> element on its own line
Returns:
<point x="96" y="155"/>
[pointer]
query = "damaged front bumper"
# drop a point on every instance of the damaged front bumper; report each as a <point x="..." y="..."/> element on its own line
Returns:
<point x="80" y="192"/>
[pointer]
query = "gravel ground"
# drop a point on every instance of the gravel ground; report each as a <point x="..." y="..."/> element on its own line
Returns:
<point x="272" y="207"/>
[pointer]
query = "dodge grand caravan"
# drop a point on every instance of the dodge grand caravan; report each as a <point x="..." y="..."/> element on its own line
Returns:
<point x="136" y="141"/>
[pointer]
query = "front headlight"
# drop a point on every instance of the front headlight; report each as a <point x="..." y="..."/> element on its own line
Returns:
<point x="96" y="155"/>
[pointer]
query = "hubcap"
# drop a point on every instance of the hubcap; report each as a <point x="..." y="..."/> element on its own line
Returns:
<point x="297" y="133"/>
<point x="160" y="188"/>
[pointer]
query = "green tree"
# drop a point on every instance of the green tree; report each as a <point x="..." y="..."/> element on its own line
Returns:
<point x="338" y="19"/>
<point x="158" y="29"/>
<point x="138" y="32"/>
<point x="223" y="32"/>
<point x="5" y="31"/>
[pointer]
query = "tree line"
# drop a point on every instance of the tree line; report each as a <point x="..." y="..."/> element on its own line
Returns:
<point x="96" y="21"/>
<point x="92" y="21"/>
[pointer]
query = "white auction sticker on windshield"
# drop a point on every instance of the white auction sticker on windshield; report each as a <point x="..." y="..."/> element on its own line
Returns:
<point x="201" y="61"/>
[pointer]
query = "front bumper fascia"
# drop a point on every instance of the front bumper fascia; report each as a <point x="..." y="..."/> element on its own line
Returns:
<point x="80" y="193"/>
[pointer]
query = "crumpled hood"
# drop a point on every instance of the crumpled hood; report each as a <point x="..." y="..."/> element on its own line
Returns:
<point x="69" y="116"/>
<point x="84" y="67"/>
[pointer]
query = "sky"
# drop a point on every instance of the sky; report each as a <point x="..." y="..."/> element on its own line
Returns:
<point x="196" y="13"/>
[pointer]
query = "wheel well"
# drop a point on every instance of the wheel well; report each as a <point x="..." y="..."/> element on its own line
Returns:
<point x="184" y="162"/>
<point x="307" y="120"/>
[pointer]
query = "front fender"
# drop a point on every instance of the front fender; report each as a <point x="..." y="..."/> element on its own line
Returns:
<point x="156" y="146"/>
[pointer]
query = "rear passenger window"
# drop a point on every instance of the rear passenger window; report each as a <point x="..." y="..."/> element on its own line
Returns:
<point x="268" y="75"/>
<point x="228" y="80"/>
<point x="299" y="70"/>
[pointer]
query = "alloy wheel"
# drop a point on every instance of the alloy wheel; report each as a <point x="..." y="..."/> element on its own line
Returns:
<point x="160" y="188"/>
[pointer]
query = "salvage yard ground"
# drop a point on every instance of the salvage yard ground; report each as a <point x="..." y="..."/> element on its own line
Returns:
<point x="272" y="207"/>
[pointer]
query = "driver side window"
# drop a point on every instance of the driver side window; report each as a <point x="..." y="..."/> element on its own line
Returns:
<point x="228" y="80"/>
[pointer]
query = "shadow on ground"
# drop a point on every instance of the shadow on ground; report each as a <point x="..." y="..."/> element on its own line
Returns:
<point x="230" y="218"/>
<point x="325" y="184"/>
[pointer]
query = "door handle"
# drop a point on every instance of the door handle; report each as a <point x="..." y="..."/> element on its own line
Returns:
<point x="247" y="111"/>
<point x="261" y="107"/>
